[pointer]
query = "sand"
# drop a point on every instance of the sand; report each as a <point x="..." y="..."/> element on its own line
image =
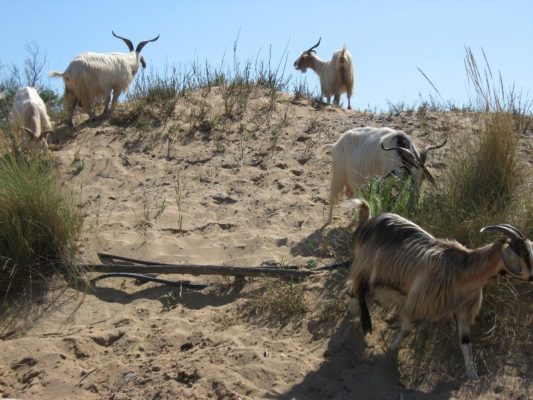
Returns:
<point x="246" y="193"/>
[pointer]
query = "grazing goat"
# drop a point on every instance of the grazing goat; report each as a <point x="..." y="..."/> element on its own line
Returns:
<point x="336" y="76"/>
<point x="91" y="76"/>
<point x="359" y="155"/>
<point x="29" y="116"/>
<point x="433" y="278"/>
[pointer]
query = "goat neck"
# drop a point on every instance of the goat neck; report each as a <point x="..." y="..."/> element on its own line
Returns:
<point x="484" y="263"/>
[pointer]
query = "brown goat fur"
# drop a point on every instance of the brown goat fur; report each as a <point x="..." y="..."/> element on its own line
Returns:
<point x="435" y="278"/>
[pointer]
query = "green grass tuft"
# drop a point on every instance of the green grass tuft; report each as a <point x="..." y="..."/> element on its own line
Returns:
<point x="39" y="223"/>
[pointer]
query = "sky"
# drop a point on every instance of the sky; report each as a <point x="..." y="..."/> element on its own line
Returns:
<point x="388" y="40"/>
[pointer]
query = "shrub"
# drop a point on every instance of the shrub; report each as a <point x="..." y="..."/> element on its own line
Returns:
<point x="39" y="223"/>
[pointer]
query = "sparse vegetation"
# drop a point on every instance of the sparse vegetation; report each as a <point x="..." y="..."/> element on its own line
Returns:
<point x="241" y="115"/>
<point x="277" y="299"/>
<point x="40" y="223"/>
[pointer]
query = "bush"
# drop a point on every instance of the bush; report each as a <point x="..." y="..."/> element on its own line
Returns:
<point x="39" y="223"/>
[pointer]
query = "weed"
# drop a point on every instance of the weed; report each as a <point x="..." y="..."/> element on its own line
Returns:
<point x="282" y="299"/>
<point x="392" y="194"/>
<point x="301" y="91"/>
<point x="169" y="300"/>
<point x="40" y="223"/>
<point x="178" y="189"/>
<point x="332" y="310"/>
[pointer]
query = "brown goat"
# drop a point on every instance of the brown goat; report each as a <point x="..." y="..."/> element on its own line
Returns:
<point x="433" y="278"/>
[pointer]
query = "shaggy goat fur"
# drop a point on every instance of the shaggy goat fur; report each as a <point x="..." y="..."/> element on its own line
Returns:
<point x="433" y="278"/>
<point x="29" y="116"/>
<point x="92" y="76"/>
<point x="359" y="155"/>
<point x="336" y="76"/>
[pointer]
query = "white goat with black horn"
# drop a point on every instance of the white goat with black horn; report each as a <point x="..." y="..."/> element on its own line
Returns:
<point x="336" y="76"/>
<point x="91" y="76"/>
<point x="432" y="278"/>
<point x="360" y="154"/>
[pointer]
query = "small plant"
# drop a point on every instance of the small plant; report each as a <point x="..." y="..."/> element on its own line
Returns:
<point x="301" y="91"/>
<point x="169" y="300"/>
<point x="391" y="194"/>
<point x="277" y="298"/>
<point x="178" y="189"/>
<point x="332" y="310"/>
<point x="152" y="210"/>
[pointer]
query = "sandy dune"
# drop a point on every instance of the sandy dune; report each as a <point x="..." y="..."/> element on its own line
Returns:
<point x="246" y="193"/>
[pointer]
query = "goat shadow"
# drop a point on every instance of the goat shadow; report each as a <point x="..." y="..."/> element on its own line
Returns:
<point x="354" y="370"/>
<point x="64" y="134"/>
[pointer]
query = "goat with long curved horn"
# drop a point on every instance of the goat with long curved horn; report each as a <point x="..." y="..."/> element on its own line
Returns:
<point x="433" y="278"/>
<point x="92" y="76"/>
<point x="336" y="75"/>
<point x="312" y="48"/>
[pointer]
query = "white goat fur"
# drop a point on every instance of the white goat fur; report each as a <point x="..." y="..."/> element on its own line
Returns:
<point x="357" y="157"/>
<point x="336" y="76"/>
<point x="29" y="111"/>
<point x="91" y="76"/>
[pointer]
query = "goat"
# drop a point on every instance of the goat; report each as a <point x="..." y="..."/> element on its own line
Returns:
<point x="336" y="76"/>
<point x="360" y="154"/>
<point x="91" y="76"/>
<point x="29" y="116"/>
<point x="432" y="277"/>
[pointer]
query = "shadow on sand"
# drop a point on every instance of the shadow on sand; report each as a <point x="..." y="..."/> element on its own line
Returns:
<point x="192" y="299"/>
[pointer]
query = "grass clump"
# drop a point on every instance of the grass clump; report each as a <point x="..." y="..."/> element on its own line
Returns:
<point x="486" y="179"/>
<point x="39" y="223"/>
<point x="278" y="299"/>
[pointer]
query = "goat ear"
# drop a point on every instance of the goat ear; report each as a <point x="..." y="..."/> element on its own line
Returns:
<point x="143" y="63"/>
<point x="511" y="261"/>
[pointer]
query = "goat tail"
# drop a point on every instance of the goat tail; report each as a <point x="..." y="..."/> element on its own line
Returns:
<point x="324" y="149"/>
<point x="359" y="205"/>
<point x="343" y="67"/>
<point x="56" y="74"/>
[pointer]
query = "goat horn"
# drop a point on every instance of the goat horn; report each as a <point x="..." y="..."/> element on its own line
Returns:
<point x="506" y="229"/>
<point x="29" y="132"/>
<point x="127" y="41"/>
<point x="315" y="46"/>
<point x="142" y="44"/>
<point x="411" y="158"/>
<point x="514" y="229"/>
<point x="412" y="161"/>
<point x="428" y="148"/>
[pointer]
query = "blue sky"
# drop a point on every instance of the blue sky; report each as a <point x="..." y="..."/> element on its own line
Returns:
<point x="388" y="39"/>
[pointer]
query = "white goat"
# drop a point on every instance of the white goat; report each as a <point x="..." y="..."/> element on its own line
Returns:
<point x="91" y="76"/>
<point x="359" y="155"/>
<point x="433" y="278"/>
<point x="29" y="116"/>
<point x="336" y="76"/>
